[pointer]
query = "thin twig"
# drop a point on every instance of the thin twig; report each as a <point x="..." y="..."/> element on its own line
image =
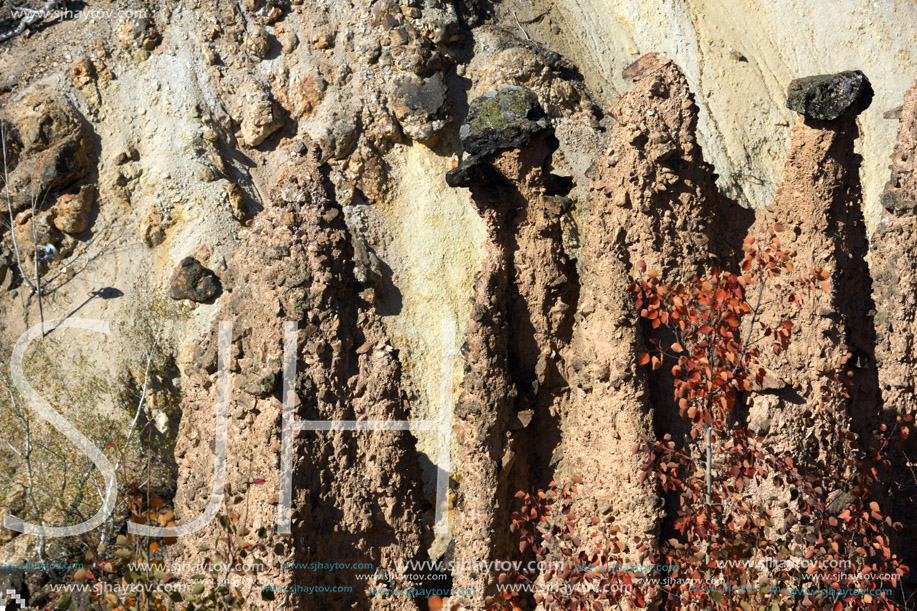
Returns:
<point x="29" y="17"/>
<point x="526" y="34"/>
<point x="41" y="310"/>
<point x="140" y="403"/>
<point x="9" y="207"/>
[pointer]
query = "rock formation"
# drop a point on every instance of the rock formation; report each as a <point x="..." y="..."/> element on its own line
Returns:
<point x="373" y="172"/>
<point x="48" y="147"/>
<point x="894" y="273"/>
<point x="665" y="209"/>
<point x="819" y="205"/>
<point x="893" y="266"/>
<point x="522" y="315"/>
<point x="356" y="495"/>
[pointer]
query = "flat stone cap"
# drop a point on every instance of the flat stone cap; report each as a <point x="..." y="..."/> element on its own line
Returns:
<point x="827" y="97"/>
<point x="498" y="120"/>
<point x="504" y="119"/>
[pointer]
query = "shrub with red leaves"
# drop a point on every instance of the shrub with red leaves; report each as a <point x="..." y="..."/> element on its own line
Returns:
<point x="753" y="528"/>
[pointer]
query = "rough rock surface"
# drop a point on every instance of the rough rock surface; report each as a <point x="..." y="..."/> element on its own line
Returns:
<point x="71" y="211"/>
<point x="193" y="281"/>
<point x="738" y="59"/>
<point x="49" y="146"/>
<point x="195" y="123"/>
<point x="827" y="97"/>
<point x="602" y="372"/>
<point x="652" y="198"/>
<point x="665" y="208"/>
<point x="895" y="271"/>
<point x="296" y="265"/>
<point x="819" y="205"/>
<point x="521" y="317"/>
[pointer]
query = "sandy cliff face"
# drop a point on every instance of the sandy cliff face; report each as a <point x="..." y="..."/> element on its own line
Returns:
<point x="451" y="211"/>
<point x="738" y="58"/>
<point x="894" y="288"/>
<point x="893" y="267"/>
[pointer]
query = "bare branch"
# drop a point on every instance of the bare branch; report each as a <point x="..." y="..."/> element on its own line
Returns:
<point x="29" y="17"/>
<point x="9" y="208"/>
<point x="140" y="403"/>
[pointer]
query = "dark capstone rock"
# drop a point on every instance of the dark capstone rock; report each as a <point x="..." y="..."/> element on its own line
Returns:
<point x="498" y="120"/>
<point x="830" y="96"/>
<point x="474" y="170"/>
<point x="504" y="119"/>
<point x="193" y="281"/>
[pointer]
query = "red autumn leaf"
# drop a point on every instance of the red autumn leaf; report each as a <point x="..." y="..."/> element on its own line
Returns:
<point x="643" y="359"/>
